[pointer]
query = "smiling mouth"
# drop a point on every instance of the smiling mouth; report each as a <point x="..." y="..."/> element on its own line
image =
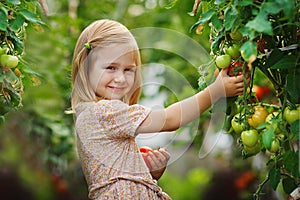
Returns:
<point x="117" y="89"/>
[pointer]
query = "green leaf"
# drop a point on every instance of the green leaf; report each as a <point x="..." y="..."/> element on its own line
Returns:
<point x="1" y="77"/>
<point x="287" y="62"/>
<point x="3" y="17"/>
<point x="273" y="58"/>
<point x="291" y="162"/>
<point x="171" y="4"/>
<point x="289" y="8"/>
<point x="17" y="22"/>
<point x="271" y="7"/>
<point x="248" y="49"/>
<point x="205" y="18"/>
<point x="274" y="175"/>
<point x="15" y="40"/>
<point x="218" y="2"/>
<point x="295" y="129"/>
<point x="267" y="137"/>
<point x="215" y="44"/>
<point x="29" y="16"/>
<point x="261" y="24"/>
<point x="15" y="2"/>
<point x="262" y="126"/>
<point x="230" y="16"/>
<point x="293" y="87"/>
<point x="289" y="185"/>
<point x="245" y="3"/>
<point x="246" y="31"/>
<point x="216" y="22"/>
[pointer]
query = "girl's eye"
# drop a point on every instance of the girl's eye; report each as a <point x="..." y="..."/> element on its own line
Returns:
<point x="110" y="68"/>
<point x="129" y="70"/>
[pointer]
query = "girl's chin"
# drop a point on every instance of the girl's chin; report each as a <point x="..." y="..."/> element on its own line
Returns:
<point x="114" y="98"/>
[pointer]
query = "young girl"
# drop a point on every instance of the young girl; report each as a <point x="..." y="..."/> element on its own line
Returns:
<point x="106" y="81"/>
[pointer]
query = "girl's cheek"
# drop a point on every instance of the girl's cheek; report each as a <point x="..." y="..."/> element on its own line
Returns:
<point x="130" y="77"/>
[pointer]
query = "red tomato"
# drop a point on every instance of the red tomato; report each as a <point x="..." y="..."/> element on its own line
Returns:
<point x="260" y="91"/>
<point x="261" y="43"/>
<point x="236" y="69"/>
<point x="145" y="149"/>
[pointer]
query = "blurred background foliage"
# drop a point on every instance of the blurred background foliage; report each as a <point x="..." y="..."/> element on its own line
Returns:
<point x="37" y="147"/>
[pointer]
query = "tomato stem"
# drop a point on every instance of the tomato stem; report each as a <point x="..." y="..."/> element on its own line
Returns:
<point x="260" y="187"/>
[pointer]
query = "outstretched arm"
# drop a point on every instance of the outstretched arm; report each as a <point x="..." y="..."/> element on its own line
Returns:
<point x="187" y="110"/>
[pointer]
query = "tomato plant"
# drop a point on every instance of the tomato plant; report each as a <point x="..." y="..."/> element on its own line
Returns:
<point x="15" y="17"/>
<point x="267" y="34"/>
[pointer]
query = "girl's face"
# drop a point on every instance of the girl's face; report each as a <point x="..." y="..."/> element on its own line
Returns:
<point x="112" y="71"/>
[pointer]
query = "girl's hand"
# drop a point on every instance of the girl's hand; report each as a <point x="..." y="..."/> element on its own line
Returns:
<point x="227" y="86"/>
<point x="156" y="162"/>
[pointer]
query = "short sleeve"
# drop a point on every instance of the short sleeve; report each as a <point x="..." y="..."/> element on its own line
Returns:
<point x="119" y="119"/>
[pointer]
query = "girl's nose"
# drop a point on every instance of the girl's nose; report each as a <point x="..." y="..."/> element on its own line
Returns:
<point x="119" y="77"/>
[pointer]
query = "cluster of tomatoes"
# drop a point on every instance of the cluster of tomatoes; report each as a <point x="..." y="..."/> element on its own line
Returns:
<point x="10" y="81"/>
<point x="230" y="57"/>
<point x="258" y="127"/>
<point x="263" y="128"/>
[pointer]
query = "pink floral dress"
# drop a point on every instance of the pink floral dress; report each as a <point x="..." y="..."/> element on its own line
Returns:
<point x="110" y="158"/>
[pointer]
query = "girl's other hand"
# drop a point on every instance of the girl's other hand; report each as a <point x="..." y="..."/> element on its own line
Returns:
<point x="156" y="162"/>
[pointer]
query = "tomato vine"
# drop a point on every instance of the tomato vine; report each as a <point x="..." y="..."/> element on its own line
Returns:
<point x="264" y="35"/>
<point x="15" y="17"/>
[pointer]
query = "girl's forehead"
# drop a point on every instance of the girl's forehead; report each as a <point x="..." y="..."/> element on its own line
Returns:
<point x="113" y="52"/>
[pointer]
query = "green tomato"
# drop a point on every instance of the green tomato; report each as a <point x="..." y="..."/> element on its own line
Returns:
<point x="275" y="146"/>
<point x="271" y="116"/>
<point x="249" y="137"/>
<point x="291" y="115"/>
<point x="233" y="51"/>
<point x="2" y="51"/>
<point x="236" y="35"/>
<point x="237" y="123"/>
<point x="278" y="126"/>
<point x="252" y="150"/>
<point x="223" y="61"/>
<point x="9" y="61"/>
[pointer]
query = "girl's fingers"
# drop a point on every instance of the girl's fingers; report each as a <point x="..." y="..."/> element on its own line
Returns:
<point x="224" y="72"/>
<point x="158" y="159"/>
<point x="153" y="161"/>
<point x="165" y="153"/>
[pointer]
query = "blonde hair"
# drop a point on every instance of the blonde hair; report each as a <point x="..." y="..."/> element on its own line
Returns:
<point x="100" y="34"/>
